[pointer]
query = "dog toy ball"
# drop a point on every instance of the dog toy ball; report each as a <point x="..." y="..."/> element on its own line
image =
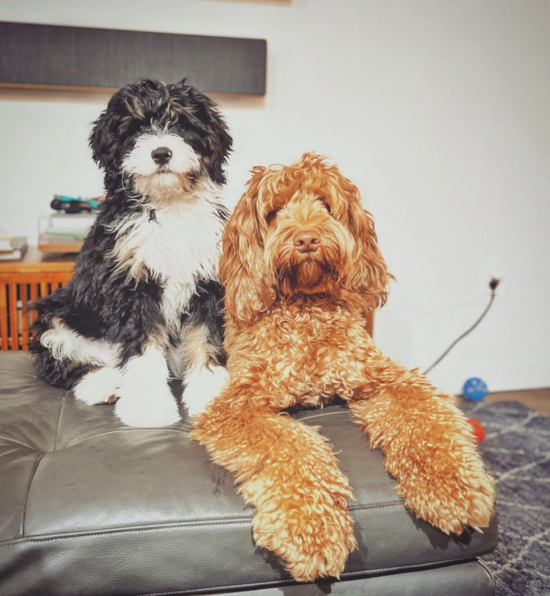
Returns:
<point x="478" y="429"/>
<point x="474" y="389"/>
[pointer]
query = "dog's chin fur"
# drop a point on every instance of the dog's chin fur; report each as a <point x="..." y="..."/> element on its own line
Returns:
<point x="166" y="187"/>
<point x="308" y="275"/>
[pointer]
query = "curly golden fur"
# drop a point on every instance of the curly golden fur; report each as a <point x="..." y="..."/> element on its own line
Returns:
<point x="296" y="335"/>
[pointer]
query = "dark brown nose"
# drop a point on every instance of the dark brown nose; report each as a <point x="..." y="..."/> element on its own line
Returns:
<point x="307" y="241"/>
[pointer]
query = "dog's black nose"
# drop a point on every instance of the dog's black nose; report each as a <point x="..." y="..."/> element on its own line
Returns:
<point x="307" y="241"/>
<point x="161" y="155"/>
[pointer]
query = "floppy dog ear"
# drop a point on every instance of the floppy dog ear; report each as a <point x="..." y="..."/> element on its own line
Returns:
<point x="207" y="118"/>
<point x="369" y="274"/>
<point x="103" y="140"/>
<point x="242" y="265"/>
<point x="123" y="108"/>
<point x="220" y="143"/>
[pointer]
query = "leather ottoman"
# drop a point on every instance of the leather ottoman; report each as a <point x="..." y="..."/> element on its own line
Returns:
<point x="89" y="507"/>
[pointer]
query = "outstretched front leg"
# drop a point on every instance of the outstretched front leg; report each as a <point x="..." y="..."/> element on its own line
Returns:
<point x="427" y="442"/>
<point x="288" y="472"/>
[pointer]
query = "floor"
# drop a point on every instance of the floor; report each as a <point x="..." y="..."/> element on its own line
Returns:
<point x="536" y="399"/>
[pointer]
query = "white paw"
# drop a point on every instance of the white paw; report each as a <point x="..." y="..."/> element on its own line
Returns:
<point x="99" y="386"/>
<point x="202" y="386"/>
<point x="145" y="397"/>
<point x="148" y="407"/>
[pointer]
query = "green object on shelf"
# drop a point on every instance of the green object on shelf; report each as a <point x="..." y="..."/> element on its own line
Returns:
<point x="67" y="233"/>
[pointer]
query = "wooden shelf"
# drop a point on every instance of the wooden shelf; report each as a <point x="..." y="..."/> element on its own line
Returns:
<point x="35" y="261"/>
<point x="21" y="283"/>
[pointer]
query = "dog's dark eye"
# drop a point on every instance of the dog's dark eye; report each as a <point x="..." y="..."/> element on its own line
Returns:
<point x="324" y="203"/>
<point x="270" y="217"/>
<point x="130" y="127"/>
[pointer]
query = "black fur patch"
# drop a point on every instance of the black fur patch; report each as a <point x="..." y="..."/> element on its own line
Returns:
<point x="205" y="309"/>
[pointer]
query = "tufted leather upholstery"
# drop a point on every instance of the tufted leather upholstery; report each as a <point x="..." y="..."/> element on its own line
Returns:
<point x="90" y="507"/>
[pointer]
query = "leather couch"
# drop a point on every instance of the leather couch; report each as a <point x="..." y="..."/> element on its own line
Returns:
<point x="89" y="507"/>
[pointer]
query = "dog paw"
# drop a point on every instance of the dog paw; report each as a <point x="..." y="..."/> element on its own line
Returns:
<point x="311" y="531"/>
<point x="453" y="500"/>
<point x="202" y="386"/>
<point x="149" y="407"/>
<point x="99" y="386"/>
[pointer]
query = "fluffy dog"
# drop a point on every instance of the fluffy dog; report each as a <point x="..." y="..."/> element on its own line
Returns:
<point x="145" y="291"/>
<point x="301" y="267"/>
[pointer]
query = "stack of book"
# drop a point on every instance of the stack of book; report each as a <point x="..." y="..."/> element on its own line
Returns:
<point x="12" y="248"/>
<point x="63" y="232"/>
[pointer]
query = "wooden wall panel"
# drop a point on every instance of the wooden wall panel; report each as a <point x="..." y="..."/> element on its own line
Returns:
<point x="79" y="57"/>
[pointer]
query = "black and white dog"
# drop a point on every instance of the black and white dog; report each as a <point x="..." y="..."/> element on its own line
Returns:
<point x="144" y="300"/>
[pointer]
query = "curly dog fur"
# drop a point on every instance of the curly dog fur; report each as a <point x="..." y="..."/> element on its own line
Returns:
<point x="296" y="335"/>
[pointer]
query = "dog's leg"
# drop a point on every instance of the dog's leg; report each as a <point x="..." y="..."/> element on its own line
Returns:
<point x="202" y="373"/>
<point x="65" y="358"/>
<point x="202" y="384"/>
<point x="428" y="445"/>
<point x="289" y="473"/>
<point x="145" y="396"/>
<point x="200" y="358"/>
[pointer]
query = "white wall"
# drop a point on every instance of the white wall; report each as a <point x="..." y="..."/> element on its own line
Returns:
<point x="439" y="111"/>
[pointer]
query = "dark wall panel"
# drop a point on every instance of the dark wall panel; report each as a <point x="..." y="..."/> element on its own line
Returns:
<point x="84" y="57"/>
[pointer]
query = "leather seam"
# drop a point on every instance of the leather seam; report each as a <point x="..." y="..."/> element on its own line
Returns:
<point x="376" y="506"/>
<point x="247" y="521"/>
<point x="324" y="415"/>
<point x="427" y="566"/>
<point x="19" y="372"/>
<point x="24" y="520"/>
<point x="273" y="582"/>
<point x="433" y="565"/>
<point x="59" y="420"/>
<point x="125" y="430"/>
<point x="487" y="571"/>
<point x="118" y="532"/>
<point x="18" y="443"/>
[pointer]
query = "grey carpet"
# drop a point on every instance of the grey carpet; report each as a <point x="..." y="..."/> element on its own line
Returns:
<point x="517" y="453"/>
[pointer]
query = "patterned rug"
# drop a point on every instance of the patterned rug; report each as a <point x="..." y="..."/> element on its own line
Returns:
<point x="517" y="453"/>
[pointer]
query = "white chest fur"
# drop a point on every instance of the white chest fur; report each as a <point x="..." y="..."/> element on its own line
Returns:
<point x="178" y="245"/>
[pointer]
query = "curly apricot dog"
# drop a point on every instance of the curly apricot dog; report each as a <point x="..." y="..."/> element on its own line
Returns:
<point x="301" y="267"/>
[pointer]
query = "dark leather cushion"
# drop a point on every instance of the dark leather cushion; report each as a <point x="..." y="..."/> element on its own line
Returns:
<point x="89" y="506"/>
<point x="458" y="579"/>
